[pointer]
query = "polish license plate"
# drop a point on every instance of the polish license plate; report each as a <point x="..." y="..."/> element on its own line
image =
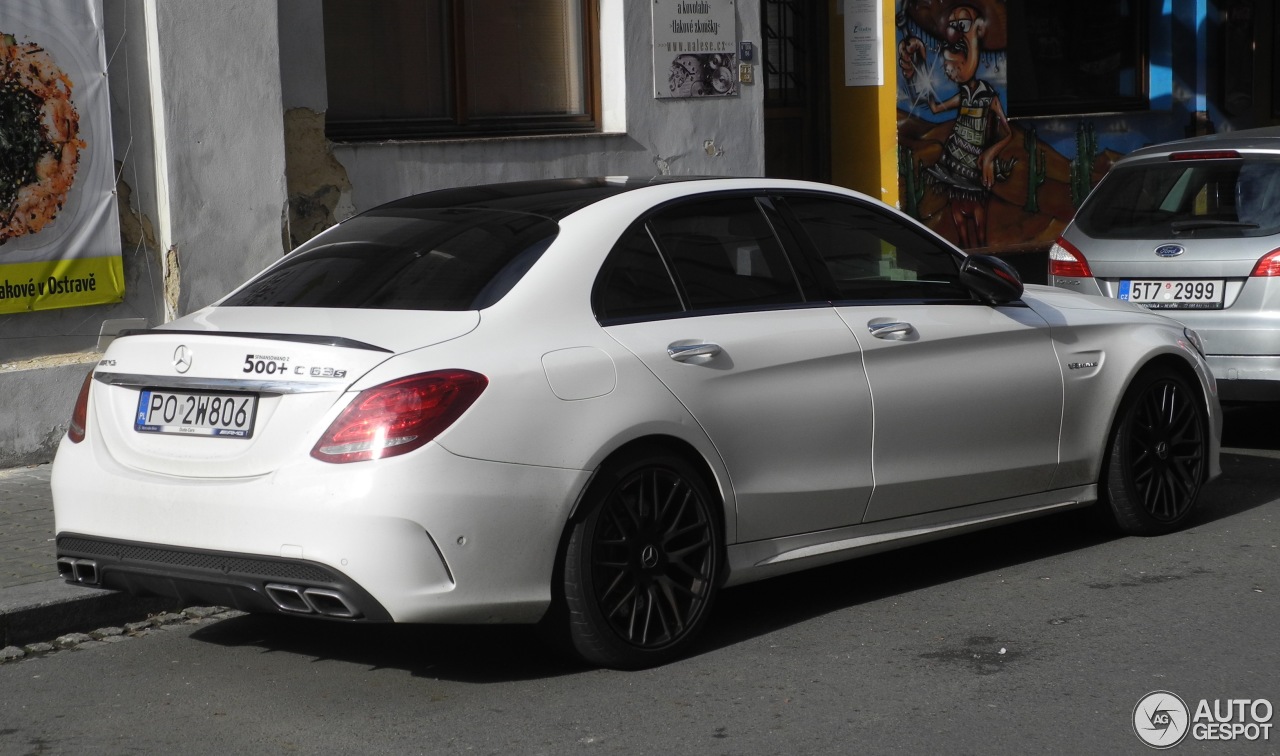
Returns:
<point x="196" y="413"/>
<point x="1173" y="295"/>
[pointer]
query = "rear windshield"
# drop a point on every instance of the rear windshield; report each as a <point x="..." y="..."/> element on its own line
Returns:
<point x="406" y="259"/>
<point x="1201" y="198"/>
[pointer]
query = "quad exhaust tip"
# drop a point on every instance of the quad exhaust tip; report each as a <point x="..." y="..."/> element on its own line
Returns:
<point x="81" y="571"/>
<point x="300" y="600"/>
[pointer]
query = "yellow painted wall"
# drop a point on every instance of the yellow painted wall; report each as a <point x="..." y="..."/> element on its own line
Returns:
<point x="864" y="122"/>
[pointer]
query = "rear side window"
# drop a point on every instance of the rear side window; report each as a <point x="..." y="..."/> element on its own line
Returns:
<point x="634" y="281"/>
<point x="1208" y="198"/>
<point x="406" y="259"/>
<point x="725" y="255"/>
<point x="873" y="255"/>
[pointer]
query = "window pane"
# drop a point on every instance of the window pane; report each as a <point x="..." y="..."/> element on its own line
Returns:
<point x="388" y="59"/>
<point x="725" y="254"/>
<point x="872" y="255"/>
<point x="429" y="259"/>
<point x="1215" y="199"/>
<point x="1076" y="57"/>
<point x="524" y="57"/>
<point x="633" y="281"/>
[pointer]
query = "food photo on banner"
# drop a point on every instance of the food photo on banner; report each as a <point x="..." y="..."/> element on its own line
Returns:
<point x="59" y="232"/>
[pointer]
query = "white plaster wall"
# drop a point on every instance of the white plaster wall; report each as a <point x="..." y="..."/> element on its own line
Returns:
<point x="220" y="73"/>
<point x="44" y="355"/>
<point x="648" y="136"/>
<point x="30" y="335"/>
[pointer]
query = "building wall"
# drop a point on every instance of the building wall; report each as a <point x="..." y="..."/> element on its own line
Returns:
<point x="214" y="194"/>
<point x="1050" y="163"/>
<point x="642" y="135"/>
<point x="218" y="135"/>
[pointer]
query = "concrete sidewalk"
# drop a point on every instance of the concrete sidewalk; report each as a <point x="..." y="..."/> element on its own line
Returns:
<point x="35" y="604"/>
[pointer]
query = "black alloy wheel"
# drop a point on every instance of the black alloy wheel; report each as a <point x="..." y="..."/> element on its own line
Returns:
<point x="1159" y="454"/>
<point x="642" y="565"/>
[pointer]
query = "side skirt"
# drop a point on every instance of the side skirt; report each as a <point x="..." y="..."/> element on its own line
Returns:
<point x="758" y="560"/>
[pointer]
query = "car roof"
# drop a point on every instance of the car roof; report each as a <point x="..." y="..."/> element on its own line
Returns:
<point x="552" y="198"/>
<point x="1263" y="139"/>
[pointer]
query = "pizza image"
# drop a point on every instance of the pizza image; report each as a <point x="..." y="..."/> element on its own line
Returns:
<point x="39" y="138"/>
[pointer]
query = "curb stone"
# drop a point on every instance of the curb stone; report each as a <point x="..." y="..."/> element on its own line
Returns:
<point x="196" y="615"/>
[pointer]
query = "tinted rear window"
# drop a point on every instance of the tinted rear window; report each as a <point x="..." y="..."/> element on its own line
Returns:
<point x="1200" y="198"/>
<point x="406" y="259"/>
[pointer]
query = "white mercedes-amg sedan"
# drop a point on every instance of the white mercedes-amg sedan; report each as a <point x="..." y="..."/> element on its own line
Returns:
<point x="594" y="403"/>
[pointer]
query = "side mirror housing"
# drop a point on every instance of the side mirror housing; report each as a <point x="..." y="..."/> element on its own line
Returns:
<point x="992" y="280"/>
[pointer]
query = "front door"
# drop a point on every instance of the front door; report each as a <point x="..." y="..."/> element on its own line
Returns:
<point x="991" y="431"/>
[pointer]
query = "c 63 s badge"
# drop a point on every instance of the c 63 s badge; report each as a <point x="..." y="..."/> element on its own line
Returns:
<point x="274" y="364"/>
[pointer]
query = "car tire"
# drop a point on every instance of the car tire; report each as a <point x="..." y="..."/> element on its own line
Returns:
<point x="1158" y="454"/>
<point x="643" y="562"/>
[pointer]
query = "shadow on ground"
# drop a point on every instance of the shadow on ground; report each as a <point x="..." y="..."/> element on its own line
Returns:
<point x="489" y="654"/>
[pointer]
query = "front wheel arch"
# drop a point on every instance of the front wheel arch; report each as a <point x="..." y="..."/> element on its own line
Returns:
<point x="1157" y="455"/>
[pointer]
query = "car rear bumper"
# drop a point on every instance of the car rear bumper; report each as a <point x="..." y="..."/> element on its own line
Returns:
<point x="248" y="582"/>
<point x="1246" y="378"/>
<point x="426" y="537"/>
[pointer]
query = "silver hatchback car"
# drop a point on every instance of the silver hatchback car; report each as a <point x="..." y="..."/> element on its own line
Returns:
<point x="1192" y="229"/>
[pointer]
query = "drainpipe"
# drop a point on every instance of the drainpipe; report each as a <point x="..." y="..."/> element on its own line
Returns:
<point x="160" y="141"/>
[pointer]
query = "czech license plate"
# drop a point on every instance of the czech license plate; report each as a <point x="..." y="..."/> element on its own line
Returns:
<point x="1174" y="295"/>
<point x="200" y="413"/>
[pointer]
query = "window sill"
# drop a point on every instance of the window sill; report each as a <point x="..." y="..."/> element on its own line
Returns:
<point x="488" y="138"/>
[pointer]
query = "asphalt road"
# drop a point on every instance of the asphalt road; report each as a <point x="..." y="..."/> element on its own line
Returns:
<point x="1039" y="637"/>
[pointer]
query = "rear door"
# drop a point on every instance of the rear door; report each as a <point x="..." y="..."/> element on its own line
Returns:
<point x="776" y="381"/>
<point x="967" y="398"/>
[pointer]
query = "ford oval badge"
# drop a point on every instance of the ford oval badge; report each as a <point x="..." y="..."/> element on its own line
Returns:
<point x="1170" y="250"/>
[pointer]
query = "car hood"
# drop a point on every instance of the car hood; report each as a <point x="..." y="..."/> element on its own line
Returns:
<point x="1069" y="300"/>
<point x="1047" y="299"/>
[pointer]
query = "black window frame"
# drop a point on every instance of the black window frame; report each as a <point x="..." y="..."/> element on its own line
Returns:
<point x="461" y="124"/>
<point x="1024" y="104"/>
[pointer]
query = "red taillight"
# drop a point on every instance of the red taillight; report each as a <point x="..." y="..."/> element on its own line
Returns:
<point x="399" y="416"/>
<point x="80" y="415"/>
<point x="1268" y="266"/>
<point x="1065" y="261"/>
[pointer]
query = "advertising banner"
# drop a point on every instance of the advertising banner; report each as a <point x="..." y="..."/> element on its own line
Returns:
<point x="59" y="232"/>
<point x="695" y="46"/>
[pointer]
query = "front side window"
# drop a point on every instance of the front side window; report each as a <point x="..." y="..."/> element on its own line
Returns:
<point x="401" y="69"/>
<point x="1208" y="198"/>
<point x="871" y="255"/>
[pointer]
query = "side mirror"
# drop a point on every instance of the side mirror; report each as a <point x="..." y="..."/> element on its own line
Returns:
<point x="991" y="279"/>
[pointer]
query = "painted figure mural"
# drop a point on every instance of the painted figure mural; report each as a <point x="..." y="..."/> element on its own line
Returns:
<point x="967" y="38"/>
<point x="965" y="168"/>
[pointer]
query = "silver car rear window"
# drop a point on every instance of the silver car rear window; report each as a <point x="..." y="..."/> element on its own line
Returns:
<point x="1225" y="198"/>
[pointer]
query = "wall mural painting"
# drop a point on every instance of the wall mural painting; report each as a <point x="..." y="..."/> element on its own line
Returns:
<point x="964" y="168"/>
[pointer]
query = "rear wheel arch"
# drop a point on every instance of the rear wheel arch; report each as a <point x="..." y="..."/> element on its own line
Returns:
<point x="574" y="622"/>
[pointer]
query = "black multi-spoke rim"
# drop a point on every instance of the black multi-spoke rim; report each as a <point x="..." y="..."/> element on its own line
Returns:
<point x="653" y="558"/>
<point x="1165" y="450"/>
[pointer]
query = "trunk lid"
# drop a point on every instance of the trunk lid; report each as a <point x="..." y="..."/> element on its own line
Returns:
<point x="270" y="374"/>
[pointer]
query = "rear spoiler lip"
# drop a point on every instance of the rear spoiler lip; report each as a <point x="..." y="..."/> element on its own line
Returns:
<point x="301" y="338"/>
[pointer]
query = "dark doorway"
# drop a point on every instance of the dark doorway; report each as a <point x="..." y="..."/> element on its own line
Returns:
<point x="797" y="137"/>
